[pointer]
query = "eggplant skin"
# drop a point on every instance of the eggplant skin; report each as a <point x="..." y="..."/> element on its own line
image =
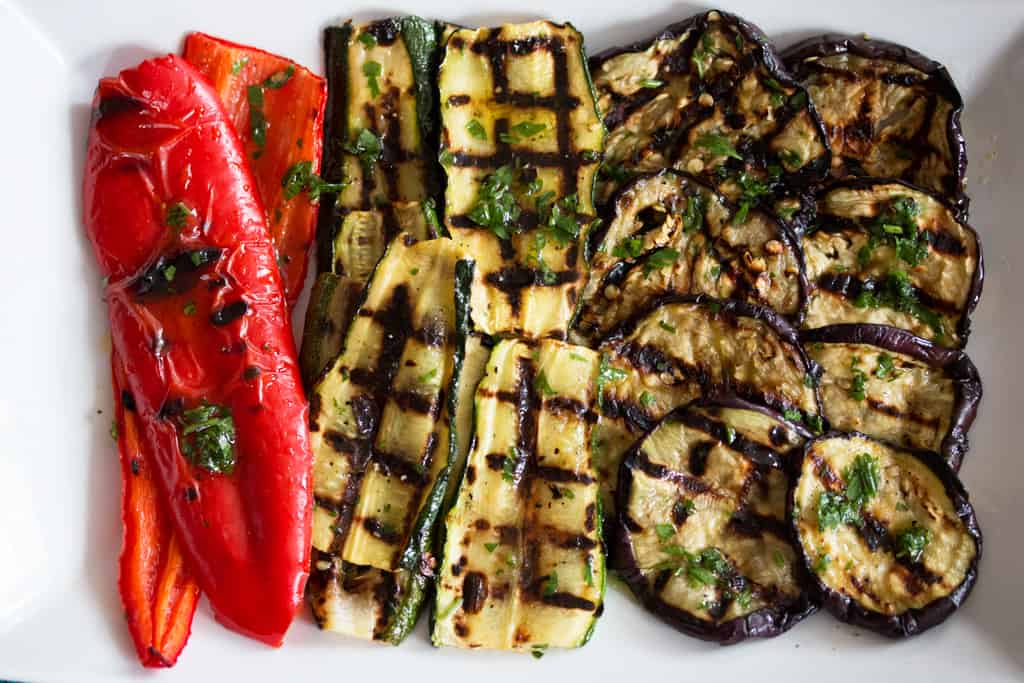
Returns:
<point x="767" y="622"/>
<point x="796" y="59"/>
<point x="913" y="621"/>
<point x="954" y="362"/>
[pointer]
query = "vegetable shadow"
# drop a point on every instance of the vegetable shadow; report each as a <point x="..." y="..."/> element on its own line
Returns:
<point x="992" y="117"/>
<point x="103" y="517"/>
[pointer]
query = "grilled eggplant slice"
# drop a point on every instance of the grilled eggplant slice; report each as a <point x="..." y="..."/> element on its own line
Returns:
<point x="671" y="232"/>
<point x="702" y="538"/>
<point x="709" y="96"/>
<point x="684" y="347"/>
<point x="381" y="130"/>
<point x="381" y="423"/>
<point x="521" y="142"/>
<point x="896" y="387"/>
<point x="522" y="566"/>
<point x="886" y="252"/>
<point x="889" y="111"/>
<point x="887" y="534"/>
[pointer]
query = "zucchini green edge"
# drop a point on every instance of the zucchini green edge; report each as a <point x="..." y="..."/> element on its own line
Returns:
<point x="522" y="566"/>
<point x="387" y="187"/>
<point x="521" y="141"/>
<point x="384" y="437"/>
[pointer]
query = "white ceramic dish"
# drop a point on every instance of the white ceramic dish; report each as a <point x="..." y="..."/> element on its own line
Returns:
<point x="60" y="618"/>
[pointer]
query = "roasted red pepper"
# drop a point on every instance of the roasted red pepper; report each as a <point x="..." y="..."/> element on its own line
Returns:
<point x="282" y="134"/>
<point x="199" y="320"/>
<point x="157" y="589"/>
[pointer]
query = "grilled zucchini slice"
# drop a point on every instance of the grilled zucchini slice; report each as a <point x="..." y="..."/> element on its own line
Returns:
<point x="701" y="537"/>
<point x="521" y="142"/>
<point x="381" y="424"/>
<point x="890" y="111"/>
<point x="888" y="534"/>
<point x="896" y="387"/>
<point x="670" y="232"/>
<point x="886" y="252"/>
<point x="708" y="95"/>
<point x="522" y="566"/>
<point x="381" y="130"/>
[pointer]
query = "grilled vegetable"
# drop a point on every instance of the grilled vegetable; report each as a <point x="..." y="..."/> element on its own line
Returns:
<point x="380" y="136"/>
<point x="381" y="427"/>
<point x="198" y="317"/>
<point x="158" y="591"/>
<point x="887" y="534"/>
<point x="709" y="96"/>
<point x="723" y="345"/>
<point x="521" y="141"/>
<point x="702" y="537"/>
<point x="894" y="386"/>
<point x="669" y="232"/>
<point x="277" y="108"/>
<point x="522" y="566"/>
<point x="890" y="111"/>
<point x="887" y="252"/>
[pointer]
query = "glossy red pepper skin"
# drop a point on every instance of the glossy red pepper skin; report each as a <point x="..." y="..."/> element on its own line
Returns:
<point x="160" y="137"/>
<point x="295" y="112"/>
<point x="157" y="589"/>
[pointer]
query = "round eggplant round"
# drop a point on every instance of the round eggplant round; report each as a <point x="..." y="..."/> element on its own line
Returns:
<point x="896" y="387"/>
<point x="887" y="252"/>
<point x="891" y="112"/>
<point x="701" y="535"/>
<point x="709" y="96"/>
<point x="887" y="535"/>
<point x="724" y="346"/>
<point x="715" y="250"/>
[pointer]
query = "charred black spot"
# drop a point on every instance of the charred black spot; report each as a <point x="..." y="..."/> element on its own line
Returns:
<point x="173" y="273"/>
<point x="172" y="407"/>
<point x="458" y="100"/>
<point x="250" y="373"/>
<point x="386" y="31"/>
<point x="128" y="401"/>
<point x="381" y="530"/>
<point x="590" y="519"/>
<point x="482" y="524"/>
<point x="191" y="495"/>
<point x="474" y="592"/>
<point x="778" y="436"/>
<point x="228" y="313"/>
<point x="471" y="474"/>
<point x="116" y="104"/>
<point x="508" y="535"/>
<point x="698" y="457"/>
<point x="136" y="466"/>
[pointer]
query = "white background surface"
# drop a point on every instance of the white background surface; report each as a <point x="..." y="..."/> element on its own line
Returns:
<point x="60" y="617"/>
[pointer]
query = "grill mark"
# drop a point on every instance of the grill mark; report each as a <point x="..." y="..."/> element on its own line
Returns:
<point x="632" y="413"/>
<point x="576" y="542"/>
<point x="564" y="405"/>
<point x="187" y="268"/>
<point x="458" y="100"/>
<point x="568" y="601"/>
<point x="894" y="412"/>
<point x="562" y="476"/>
<point x="474" y="592"/>
<point x="385" y="31"/>
<point x="752" y="450"/>
<point x="825" y="472"/>
<point x="394" y="465"/>
<point x="698" y="457"/>
<point x="849" y="287"/>
<point x="381" y="530"/>
<point x="940" y="240"/>
<point x="367" y="408"/>
<point x="694" y="485"/>
<point x="416" y="402"/>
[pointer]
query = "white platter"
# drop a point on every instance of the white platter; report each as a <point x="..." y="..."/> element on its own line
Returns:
<point x="60" y="618"/>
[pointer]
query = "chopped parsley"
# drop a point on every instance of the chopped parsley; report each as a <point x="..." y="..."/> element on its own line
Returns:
<point x="730" y="434"/>
<point x="189" y="308"/>
<point x="430" y="215"/>
<point x="693" y="216"/>
<point x="576" y="356"/>
<point x="664" y="531"/>
<point x="718" y="145"/>
<point x="496" y="206"/>
<point x="821" y="564"/>
<point x="113" y="430"/>
<point x="508" y="465"/>
<point x="372" y="70"/>
<point x="490" y="547"/>
<point x="368" y="40"/>
<point x="208" y="437"/>
<point x="646" y="399"/>
<point x="778" y="558"/>
<point x="542" y="385"/>
<point x="537" y="651"/>
<point x="835" y="509"/>
<point x="671" y="329"/>
<point x="815" y="423"/>
<point x="551" y="584"/>
<point x="427" y="376"/>
<point x="886" y="367"/>
<point x="911" y="542"/>
<point x="898" y="293"/>
<point x="897" y="227"/>
<point x="700" y="53"/>
<point x="277" y="80"/>
<point x="616" y="172"/>
<point x="177" y="215"/>
<point x="528" y="129"/>
<point x="752" y="190"/>
<point x="367" y="146"/>
<point x="606" y="373"/>
<point x="588" y="570"/>
<point x="861" y="479"/>
<point x="793" y="415"/>
<point x="629" y="247"/>
<point x="660" y="258"/>
<point x="238" y="65"/>
<point x="301" y="177"/>
<point x="169" y="272"/>
<point x="476" y="129"/>
<point x="651" y="83"/>
<point x="857" y="390"/>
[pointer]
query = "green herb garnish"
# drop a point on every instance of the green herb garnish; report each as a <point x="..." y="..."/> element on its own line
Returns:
<point x="542" y="386"/>
<point x="476" y="129"/>
<point x="301" y="177"/>
<point x="718" y="145"/>
<point x="208" y="437"/>
<point x="629" y="247"/>
<point x="367" y="146"/>
<point x="660" y="258"/>
<point x="372" y="70"/>
<point x="238" y="65"/>
<point x="911" y="542"/>
<point x="664" y="531"/>
<point x="368" y="40"/>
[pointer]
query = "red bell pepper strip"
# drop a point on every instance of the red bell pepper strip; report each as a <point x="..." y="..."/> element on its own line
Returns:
<point x="157" y="590"/>
<point x="198" y="317"/>
<point x="285" y="130"/>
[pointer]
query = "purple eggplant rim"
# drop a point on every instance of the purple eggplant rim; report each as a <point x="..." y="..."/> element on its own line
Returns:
<point x="974" y="292"/>
<point x="766" y="622"/>
<point x="954" y="362"/>
<point x="915" y="620"/>
<point x="829" y="44"/>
